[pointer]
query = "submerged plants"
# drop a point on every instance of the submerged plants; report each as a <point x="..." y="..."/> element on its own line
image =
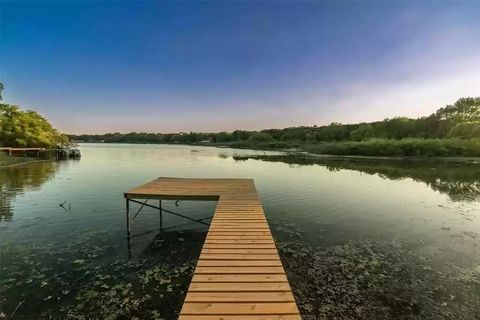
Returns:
<point x="91" y="278"/>
<point x="377" y="279"/>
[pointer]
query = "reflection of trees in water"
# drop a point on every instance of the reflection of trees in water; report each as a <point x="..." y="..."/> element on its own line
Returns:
<point x="18" y="179"/>
<point x="459" y="190"/>
<point x="460" y="181"/>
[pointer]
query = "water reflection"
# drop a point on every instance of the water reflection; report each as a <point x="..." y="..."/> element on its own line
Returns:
<point x="460" y="181"/>
<point x="355" y="244"/>
<point x="16" y="180"/>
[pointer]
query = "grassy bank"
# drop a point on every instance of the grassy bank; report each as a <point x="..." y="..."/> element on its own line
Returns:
<point x="375" y="147"/>
<point x="403" y="147"/>
<point x="6" y="160"/>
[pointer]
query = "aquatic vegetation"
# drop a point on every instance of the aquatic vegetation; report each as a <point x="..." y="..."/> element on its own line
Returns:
<point x="364" y="279"/>
<point x="374" y="279"/>
<point x="223" y="155"/>
<point x="149" y="292"/>
<point x="90" y="278"/>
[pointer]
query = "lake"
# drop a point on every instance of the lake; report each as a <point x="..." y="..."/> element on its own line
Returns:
<point x="359" y="239"/>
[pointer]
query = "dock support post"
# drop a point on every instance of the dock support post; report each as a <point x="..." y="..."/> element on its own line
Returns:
<point x="127" y="205"/>
<point x="160" y="213"/>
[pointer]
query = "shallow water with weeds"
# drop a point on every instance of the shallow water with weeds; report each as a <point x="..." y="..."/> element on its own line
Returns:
<point x="358" y="239"/>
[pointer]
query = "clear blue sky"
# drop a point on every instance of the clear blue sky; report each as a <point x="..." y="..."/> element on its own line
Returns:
<point x="104" y="66"/>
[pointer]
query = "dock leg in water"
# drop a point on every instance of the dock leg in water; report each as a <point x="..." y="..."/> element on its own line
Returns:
<point x="160" y="214"/>
<point x="127" y="205"/>
<point x="239" y="274"/>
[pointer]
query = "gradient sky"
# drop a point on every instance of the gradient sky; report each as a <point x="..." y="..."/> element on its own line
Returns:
<point x="105" y="66"/>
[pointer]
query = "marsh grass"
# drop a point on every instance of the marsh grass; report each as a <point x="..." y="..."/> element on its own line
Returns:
<point x="403" y="147"/>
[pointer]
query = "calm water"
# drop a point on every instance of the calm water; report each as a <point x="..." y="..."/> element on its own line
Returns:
<point x="359" y="240"/>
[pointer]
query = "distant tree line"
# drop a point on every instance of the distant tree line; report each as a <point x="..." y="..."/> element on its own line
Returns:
<point x="460" y="121"/>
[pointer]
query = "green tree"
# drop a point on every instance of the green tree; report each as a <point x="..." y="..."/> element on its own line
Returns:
<point x="28" y="129"/>
<point x="1" y="90"/>
<point x="466" y="130"/>
<point x="241" y="134"/>
<point x="363" y="132"/>
<point x="260" y="137"/>
<point x="224" y="137"/>
<point x="464" y="110"/>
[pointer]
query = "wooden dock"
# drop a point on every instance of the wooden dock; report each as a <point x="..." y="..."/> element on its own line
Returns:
<point x="239" y="275"/>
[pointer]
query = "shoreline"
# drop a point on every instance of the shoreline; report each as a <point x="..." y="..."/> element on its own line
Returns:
<point x="393" y="158"/>
<point x="299" y="152"/>
<point x="21" y="163"/>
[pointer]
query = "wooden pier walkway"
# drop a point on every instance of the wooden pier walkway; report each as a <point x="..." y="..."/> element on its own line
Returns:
<point x="239" y="275"/>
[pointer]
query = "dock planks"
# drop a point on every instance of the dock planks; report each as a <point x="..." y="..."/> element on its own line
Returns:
<point x="239" y="274"/>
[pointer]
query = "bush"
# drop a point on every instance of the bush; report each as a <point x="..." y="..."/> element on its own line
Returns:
<point x="466" y="130"/>
<point x="363" y="132"/>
